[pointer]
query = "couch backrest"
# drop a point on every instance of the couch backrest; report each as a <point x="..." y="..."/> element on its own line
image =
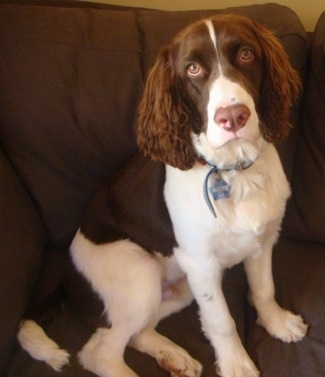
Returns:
<point x="70" y="82"/>
<point x="306" y="211"/>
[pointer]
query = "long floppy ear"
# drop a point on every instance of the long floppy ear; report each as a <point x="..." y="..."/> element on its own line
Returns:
<point x="280" y="89"/>
<point x="166" y="117"/>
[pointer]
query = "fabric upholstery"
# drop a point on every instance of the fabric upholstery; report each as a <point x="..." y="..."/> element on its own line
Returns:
<point x="72" y="74"/>
<point x="21" y="254"/>
<point x="73" y="77"/>
<point x="307" y="209"/>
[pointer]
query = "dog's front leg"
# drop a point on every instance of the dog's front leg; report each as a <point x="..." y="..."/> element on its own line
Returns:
<point x="204" y="276"/>
<point x="280" y="323"/>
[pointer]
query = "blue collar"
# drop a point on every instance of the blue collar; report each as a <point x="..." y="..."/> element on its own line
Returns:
<point x="241" y="165"/>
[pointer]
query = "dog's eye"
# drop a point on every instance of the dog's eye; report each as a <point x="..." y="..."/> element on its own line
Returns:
<point x="245" y="55"/>
<point x="194" y="70"/>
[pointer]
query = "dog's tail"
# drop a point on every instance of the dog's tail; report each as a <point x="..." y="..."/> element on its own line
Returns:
<point x="33" y="339"/>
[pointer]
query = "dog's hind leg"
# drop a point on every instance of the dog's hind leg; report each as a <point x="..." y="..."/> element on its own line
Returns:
<point x="128" y="280"/>
<point x="169" y="355"/>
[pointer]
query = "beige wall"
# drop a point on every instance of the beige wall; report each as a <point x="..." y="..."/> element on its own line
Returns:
<point x="307" y="10"/>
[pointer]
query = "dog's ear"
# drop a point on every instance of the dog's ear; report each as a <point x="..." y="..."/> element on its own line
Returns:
<point x="165" y="116"/>
<point x="281" y="87"/>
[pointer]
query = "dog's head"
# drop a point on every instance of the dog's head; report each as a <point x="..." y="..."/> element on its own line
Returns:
<point x="223" y="87"/>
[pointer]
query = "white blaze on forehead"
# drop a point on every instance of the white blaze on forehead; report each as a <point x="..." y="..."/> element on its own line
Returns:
<point x="210" y="27"/>
<point x="213" y="37"/>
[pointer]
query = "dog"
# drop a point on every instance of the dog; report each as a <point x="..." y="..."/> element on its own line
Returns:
<point x="206" y="191"/>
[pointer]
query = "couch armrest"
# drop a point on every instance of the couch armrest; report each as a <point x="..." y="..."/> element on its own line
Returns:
<point x="306" y="212"/>
<point x="21" y="255"/>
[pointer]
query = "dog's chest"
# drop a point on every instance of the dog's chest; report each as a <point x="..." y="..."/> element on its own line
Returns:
<point x="246" y="216"/>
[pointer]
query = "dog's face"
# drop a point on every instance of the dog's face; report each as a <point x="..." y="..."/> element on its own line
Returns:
<point x="221" y="66"/>
<point x="222" y="89"/>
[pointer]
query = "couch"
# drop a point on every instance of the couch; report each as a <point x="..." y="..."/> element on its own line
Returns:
<point x="71" y="75"/>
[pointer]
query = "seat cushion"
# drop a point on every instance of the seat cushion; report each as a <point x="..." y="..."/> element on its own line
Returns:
<point x="298" y="269"/>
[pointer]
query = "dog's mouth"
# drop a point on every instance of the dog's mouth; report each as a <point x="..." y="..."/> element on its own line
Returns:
<point x="236" y="151"/>
<point x="220" y="138"/>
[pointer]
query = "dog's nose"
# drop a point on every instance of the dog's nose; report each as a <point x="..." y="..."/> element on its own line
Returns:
<point x="232" y="118"/>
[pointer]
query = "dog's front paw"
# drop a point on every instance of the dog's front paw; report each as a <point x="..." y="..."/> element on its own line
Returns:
<point x="285" y="326"/>
<point x="237" y="366"/>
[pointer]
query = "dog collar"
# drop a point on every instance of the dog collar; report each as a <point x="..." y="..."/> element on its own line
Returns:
<point x="239" y="166"/>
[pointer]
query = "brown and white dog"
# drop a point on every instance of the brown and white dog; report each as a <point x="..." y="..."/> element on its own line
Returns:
<point x="206" y="192"/>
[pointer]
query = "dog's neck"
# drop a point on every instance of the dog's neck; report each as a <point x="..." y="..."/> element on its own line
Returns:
<point x="214" y="169"/>
<point x="240" y="165"/>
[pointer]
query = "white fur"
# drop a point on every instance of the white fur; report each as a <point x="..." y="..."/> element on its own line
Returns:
<point x="136" y="288"/>
<point x="211" y="32"/>
<point x="245" y="229"/>
<point x="34" y="340"/>
<point x="139" y="289"/>
<point x="213" y="38"/>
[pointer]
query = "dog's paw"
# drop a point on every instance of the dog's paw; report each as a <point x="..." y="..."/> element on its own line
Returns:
<point x="237" y="366"/>
<point x="285" y="326"/>
<point x="178" y="362"/>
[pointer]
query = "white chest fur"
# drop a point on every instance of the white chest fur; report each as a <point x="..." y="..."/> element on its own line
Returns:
<point x="245" y="220"/>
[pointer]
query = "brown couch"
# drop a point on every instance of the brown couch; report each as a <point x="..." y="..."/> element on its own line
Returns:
<point x="71" y="75"/>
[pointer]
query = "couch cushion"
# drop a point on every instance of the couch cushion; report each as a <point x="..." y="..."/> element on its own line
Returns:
<point x="21" y="255"/>
<point x="306" y="212"/>
<point x="70" y="84"/>
<point x="299" y="281"/>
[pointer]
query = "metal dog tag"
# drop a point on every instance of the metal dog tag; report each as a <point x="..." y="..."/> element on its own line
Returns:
<point x="220" y="189"/>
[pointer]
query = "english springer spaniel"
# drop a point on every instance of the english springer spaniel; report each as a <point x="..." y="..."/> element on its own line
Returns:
<point x="205" y="192"/>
